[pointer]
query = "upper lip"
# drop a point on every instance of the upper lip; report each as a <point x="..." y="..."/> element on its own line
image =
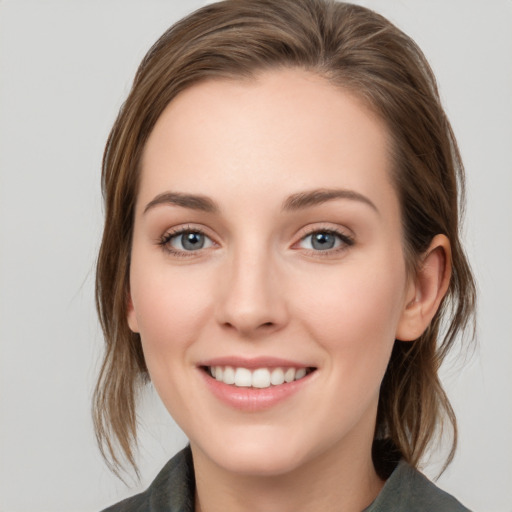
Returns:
<point x="254" y="363"/>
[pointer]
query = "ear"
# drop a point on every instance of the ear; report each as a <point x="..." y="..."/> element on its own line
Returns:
<point x="426" y="290"/>
<point x="131" y="317"/>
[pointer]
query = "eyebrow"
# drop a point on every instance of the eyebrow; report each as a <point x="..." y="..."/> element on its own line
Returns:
<point x="318" y="196"/>
<point x="194" y="202"/>
<point x="297" y="201"/>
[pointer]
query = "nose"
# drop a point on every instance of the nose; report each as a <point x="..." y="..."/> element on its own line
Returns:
<point x="251" y="298"/>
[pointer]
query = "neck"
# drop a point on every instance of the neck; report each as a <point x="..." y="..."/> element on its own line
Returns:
<point x="343" y="478"/>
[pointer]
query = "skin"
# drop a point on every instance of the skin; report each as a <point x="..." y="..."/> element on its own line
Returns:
<point x="259" y="288"/>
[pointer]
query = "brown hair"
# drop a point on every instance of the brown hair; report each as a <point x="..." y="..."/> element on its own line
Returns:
<point x="360" y="51"/>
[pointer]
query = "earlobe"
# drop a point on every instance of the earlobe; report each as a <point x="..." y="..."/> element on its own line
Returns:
<point x="131" y="317"/>
<point x="426" y="290"/>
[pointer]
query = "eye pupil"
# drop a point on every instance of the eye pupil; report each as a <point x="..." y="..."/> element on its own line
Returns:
<point x="192" y="241"/>
<point x="323" y="241"/>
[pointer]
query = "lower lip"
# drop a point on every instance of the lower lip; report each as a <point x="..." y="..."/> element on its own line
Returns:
<point x="254" y="399"/>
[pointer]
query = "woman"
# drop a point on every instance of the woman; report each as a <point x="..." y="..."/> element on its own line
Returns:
<point x="280" y="246"/>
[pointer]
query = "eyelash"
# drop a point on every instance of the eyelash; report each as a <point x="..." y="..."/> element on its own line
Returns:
<point x="165" y="239"/>
<point x="346" y="241"/>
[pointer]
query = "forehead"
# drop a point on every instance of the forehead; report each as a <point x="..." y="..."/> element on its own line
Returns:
<point x="284" y="129"/>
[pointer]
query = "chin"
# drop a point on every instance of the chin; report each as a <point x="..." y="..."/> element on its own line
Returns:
<point x="256" y="455"/>
<point x="256" y="462"/>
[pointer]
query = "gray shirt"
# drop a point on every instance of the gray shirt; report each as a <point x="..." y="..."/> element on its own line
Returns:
<point x="406" y="490"/>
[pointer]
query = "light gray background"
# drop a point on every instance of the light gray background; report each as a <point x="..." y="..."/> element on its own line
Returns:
<point x="65" y="68"/>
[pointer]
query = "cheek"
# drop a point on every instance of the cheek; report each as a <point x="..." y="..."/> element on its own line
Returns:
<point x="354" y="313"/>
<point x="171" y="308"/>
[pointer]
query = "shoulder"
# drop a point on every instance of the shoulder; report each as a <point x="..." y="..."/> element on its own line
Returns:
<point x="138" y="503"/>
<point x="171" y="491"/>
<point x="407" y="490"/>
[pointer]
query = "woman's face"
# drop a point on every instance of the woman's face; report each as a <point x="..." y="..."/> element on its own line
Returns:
<point x="267" y="246"/>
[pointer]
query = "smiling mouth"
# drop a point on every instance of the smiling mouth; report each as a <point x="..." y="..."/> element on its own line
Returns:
<point x="259" y="378"/>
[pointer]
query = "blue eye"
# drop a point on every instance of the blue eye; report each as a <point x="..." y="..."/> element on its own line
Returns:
<point x="186" y="241"/>
<point x="325" y="240"/>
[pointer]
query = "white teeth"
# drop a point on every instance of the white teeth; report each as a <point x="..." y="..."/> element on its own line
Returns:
<point x="289" y="375"/>
<point x="259" y="378"/>
<point x="229" y="375"/>
<point x="277" y="376"/>
<point x="301" y="372"/>
<point x="243" y="378"/>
